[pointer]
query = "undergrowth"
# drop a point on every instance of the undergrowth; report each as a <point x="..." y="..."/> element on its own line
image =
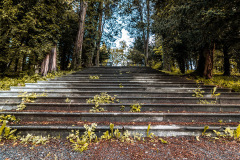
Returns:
<point x="81" y="142"/>
<point x="227" y="134"/>
<point x="198" y="93"/>
<point x="222" y="81"/>
<point x="7" y="132"/>
<point x="35" y="140"/>
<point x="232" y="81"/>
<point x="103" y="98"/>
<point x="28" y="98"/>
<point x="6" y="82"/>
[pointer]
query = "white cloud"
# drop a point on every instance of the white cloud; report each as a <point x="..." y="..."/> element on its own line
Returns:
<point x="125" y="37"/>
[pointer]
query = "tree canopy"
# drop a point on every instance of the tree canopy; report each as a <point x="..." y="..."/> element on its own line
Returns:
<point x="175" y="34"/>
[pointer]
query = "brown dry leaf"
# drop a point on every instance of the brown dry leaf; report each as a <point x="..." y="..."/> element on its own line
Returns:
<point x="15" y="144"/>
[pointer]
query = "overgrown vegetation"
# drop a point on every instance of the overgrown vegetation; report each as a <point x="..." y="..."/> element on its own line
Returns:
<point x="7" y="132"/>
<point x="81" y="142"/>
<point x="94" y="77"/>
<point x="8" y="118"/>
<point x="223" y="81"/>
<point x="35" y="140"/>
<point x="28" y="98"/>
<point x="103" y="98"/>
<point x="199" y="94"/>
<point x="6" y="82"/>
<point x="228" y="133"/>
<point x="135" y="107"/>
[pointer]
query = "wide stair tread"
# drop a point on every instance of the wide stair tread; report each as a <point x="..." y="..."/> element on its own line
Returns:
<point x="167" y="103"/>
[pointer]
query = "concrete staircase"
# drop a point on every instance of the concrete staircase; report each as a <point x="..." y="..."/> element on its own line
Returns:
<point x="167" y="103"/>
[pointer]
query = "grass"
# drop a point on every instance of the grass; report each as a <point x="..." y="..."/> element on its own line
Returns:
<point x="6" y="82"/>
<point x="218" y="79"/>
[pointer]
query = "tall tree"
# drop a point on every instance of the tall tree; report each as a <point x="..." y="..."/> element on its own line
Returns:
<point x="77" y="55"/>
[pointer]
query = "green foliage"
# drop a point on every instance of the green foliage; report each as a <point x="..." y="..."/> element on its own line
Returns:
<point x="103" y="98"/>
<point x="237" y="132"/>
<point x="150" y="135"/>
<point x="28" y="98"/>
<point x="7" y="132"/>
<point x="9" y="118"/>
<point x="81" y="143"/>
<point x="223" y="81"/>
<point x="137" y="136"/>
<point x="29" y="30"/>
<point x="6" y="82"/>
<point x="120" y="85"/>
<point x="199" y="94"/>
<point x="227" y="133"/>
<point x="93" y="77"/>
<point x="135" y="107"/>
<point x="122" y="108"/>
<point x="35" y="140"/>
<point x="205" y="129"/>
<point x="67" y="100"/>
<point x="136" y="56"/>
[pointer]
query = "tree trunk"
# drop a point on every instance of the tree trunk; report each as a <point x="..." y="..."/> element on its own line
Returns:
<point x="205" y="63"/>
<point x="53" y="60"/>
<point x="148" y="31"/>
<point x="45" y="65"/>
<point x="226" y="60"/>
<point x="99" y="32"/>
<point x="181" y="63"/>
<point x="77" y="55"/>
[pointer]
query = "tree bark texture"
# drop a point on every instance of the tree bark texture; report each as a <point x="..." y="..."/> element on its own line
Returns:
<point x="99" y="32"/>
<point x="49" y="64"/>
<point x="205" y="63"/>
<point x="77" y="55"/>
<point x="44" y="66"/>
<point x="148" y="31"/>
<point x="53" y="60"/>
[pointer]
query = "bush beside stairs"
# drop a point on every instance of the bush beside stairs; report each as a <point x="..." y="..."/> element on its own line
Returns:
<point x="167" y="103"/>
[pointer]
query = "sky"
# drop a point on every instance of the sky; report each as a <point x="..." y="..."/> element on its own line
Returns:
<point x="126" y="38"/>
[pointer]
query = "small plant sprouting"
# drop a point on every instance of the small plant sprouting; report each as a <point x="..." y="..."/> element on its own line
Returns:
<point x="205" y="129"/>
<point x="199" y="94"/>
<point x="68" y="100"/>
<point x="151" y="135"/>
<point x="9" y="118"/>
<point x="227" y="133"/>
<point x="135" y="107"/>
<point x="137" y="136"/>
<point x="120" y="85"/>
<point x="103" y="98"/>
<point x="35" y="140"/>
<point x="122" y="108"/>
<point x="94" y="77"/>
<point x="7" y="132"/>
<point x="163" y="141"/>
<point x="81" y="143"/>
<point x="28" y="98"/>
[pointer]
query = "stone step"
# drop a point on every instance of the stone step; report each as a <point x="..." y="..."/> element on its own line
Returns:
<point x="158" y="130"/>
<point x="113" y="88"/>
<point x="122" y="93"/>
<point x="49" y="116"/>
<point x="89" y="82"/>
<point x="159" y="100"/>
<point x="117" y="107"/>
<point x="189" y="85"/>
